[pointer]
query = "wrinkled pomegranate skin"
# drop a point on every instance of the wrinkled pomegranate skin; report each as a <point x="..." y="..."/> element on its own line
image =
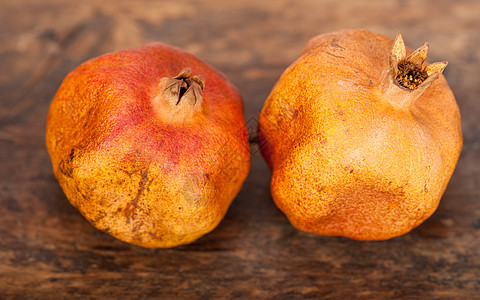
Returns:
<point x="346" y="160"/>
<point x="134" y="175"/>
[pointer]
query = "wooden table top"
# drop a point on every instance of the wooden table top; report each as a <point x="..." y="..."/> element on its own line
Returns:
<point x="47" y="249"/>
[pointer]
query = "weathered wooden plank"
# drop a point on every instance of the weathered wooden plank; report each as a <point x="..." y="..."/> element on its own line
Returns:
<point x="47" y="248"/>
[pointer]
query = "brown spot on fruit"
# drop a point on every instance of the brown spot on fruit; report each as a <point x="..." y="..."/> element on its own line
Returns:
<point x="336" y="45"/>
<point x="65" y="168"/>
<point x="129" y="211"/>
<point x="72" y="154"/>
<point x="295" y="114"/>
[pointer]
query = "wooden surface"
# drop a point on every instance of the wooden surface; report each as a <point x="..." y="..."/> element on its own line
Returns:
<point x="48" y="251"/>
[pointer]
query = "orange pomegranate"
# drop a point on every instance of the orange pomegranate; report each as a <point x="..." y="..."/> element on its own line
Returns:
<point x="362" y="136"/>
<point x="144" y="150"/>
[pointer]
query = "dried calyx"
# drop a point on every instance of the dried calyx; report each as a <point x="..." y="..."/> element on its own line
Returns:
<point x="180" y="97"/>
<point x="183" y="88"/>
<point x="409" y="71"/>
<point x="408" y="77"/>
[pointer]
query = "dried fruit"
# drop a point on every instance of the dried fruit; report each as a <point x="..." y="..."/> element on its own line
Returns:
<point x="361" y="138"/>
<point x="145" y="151"/>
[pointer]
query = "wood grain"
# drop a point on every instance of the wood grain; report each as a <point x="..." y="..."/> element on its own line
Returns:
<point x="47" y="250"/>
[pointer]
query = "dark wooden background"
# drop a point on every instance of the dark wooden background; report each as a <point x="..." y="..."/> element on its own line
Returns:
<point x="48" y="251"/>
